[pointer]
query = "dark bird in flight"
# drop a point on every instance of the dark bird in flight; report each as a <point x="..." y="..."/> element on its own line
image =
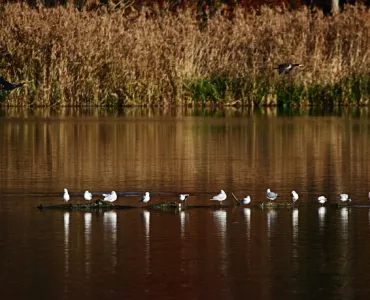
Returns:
<point x="286" y="68"/>
<point x="7" y="86"/>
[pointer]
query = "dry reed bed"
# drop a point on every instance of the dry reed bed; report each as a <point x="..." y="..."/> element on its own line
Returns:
<point x="106" y="58"/>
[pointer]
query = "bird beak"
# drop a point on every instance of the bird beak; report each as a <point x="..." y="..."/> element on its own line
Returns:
<point x="300" y="65"/>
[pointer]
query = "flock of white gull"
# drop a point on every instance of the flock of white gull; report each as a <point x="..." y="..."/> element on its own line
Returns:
<point x="271" y="196"/>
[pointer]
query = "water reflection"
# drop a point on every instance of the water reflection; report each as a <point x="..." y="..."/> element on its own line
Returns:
<point x="87" y="223"/>
<point x="183" y="216"/>
<point x="322" y="213"/>
<point x="247" y="217"/>
<point x="220" y="220"/>
<point x="344" y="216"/>
<point x="183" y="220"/>
<point x="146" y="220"/>
<point x="66" y="242"/>
<point x="344" y="212"/>
<point x="344" y="254"/>
<point x="200" y="154"/>
<point x="295" y="227"/>
<point x="62" y="112"/>
<point x="271" y="220"/>
<point x="65" y="150"/>
<point x="295" y="214"/>
<point x="110" y="227"/>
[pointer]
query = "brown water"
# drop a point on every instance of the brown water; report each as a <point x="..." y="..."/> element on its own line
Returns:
<point x="197" y="253"/>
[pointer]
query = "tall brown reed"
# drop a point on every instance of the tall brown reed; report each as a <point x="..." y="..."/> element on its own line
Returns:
<point x="109" y="58"/>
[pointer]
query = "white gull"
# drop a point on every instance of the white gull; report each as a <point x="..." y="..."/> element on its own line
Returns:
<point x="111" y="197"/>
<point x="271" y="195"/>
<point x="87" y="195"/>
<point x="220" y="197"/>
<point x="66" y="195"/>
<point x="295" y="196"/>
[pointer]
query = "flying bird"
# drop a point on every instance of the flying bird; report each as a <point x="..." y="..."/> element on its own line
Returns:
<point x="220" y="197"/>
<point x="66" y="196"/>
<point x="286" y="68"/>
<point x="7" y="86"/>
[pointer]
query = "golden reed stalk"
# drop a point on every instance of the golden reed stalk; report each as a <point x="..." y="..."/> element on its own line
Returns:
<point x="95" y="58"/>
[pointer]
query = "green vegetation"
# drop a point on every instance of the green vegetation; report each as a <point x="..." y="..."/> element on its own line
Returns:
<point x="113" y="58"/>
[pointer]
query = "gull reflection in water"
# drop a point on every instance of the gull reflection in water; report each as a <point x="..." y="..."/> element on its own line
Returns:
<point x="146" y="219"/>
<point x="344" y="223"/>
<point x="344" y="215"/>
<point x="322" y="213"/>
<point x="183" y="220"/>
<point x="246" y="212"/>
<point x="220" y="219"/>
<point x="66" y="242"/>
<point x="295" y="215"/>
<point x="344" y="254"/>
<point x="87" y="222"/>
<point x="110" y="226"/>
<point x="271" y="220"/>
<point x="182" y="223"/>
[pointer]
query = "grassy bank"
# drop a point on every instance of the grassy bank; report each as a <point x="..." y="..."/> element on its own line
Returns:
<point x="105" y="58"/>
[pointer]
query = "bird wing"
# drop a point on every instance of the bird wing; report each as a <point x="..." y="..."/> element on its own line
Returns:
<point x="8" y="86"/>
<point x="3" y="81"/>
<point x="271" y="195"/>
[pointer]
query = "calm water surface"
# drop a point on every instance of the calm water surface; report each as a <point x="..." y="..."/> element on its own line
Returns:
<point x="308" y="252"/>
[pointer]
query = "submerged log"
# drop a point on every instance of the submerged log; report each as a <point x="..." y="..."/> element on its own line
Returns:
<point x="176" y="205"/>
<point x="342" y="204"/>
<point x="272" y="205"/>
<point x="101" y="205"/>
<point x="98" y="204"/>
<point x="277" y="204"/>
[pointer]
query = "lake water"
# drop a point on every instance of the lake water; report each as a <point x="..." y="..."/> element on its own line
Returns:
<point x="309" y="252"/>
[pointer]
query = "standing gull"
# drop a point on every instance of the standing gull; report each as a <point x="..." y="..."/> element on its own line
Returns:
<point x="183" y="197"/>
<point x="220" y="197"/>
<point x="243" y="201"/>
<point x="295" y="196"/>
<point x="66" y="196"/>
<point x="271" y="195"/>
<point x="87" y="195"/>
<point x="344" y="198"/>
<point x="322" y="200"/>
<point x="110" y="197"/>
<point x="145" y="198"/>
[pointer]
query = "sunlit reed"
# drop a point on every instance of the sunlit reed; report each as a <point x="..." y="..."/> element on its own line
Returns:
<point x="107" y="58"/>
